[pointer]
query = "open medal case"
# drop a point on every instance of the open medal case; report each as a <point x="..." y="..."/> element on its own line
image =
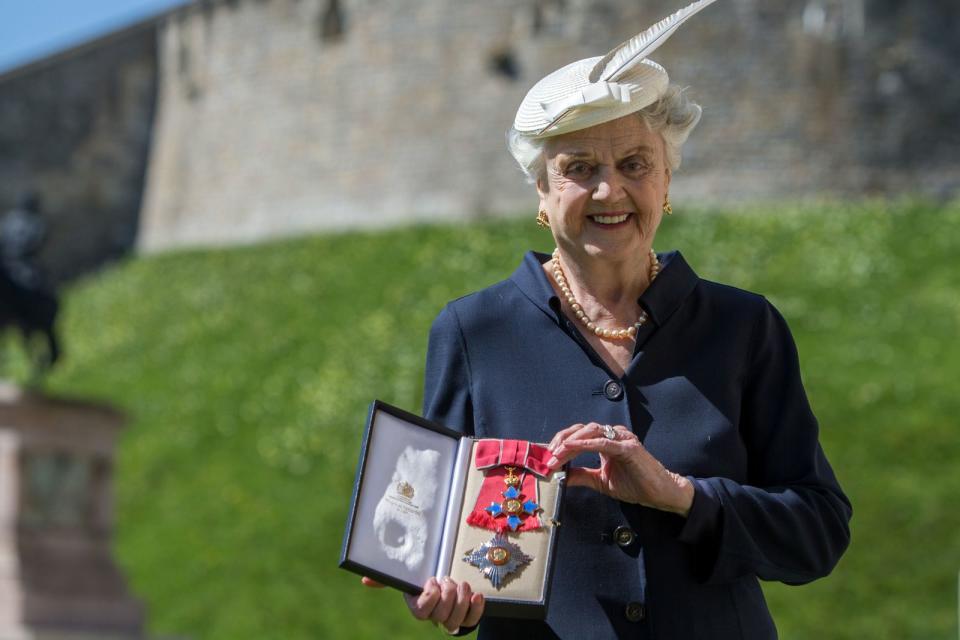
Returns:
<point x="428" y="501"/>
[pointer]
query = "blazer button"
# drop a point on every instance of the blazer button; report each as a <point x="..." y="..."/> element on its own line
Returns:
<point x="624" y="536"/>
<point x="635" y="611"/>
<point x="613" y="390"/>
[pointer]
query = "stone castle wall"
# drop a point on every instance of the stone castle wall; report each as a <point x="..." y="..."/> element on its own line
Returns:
<point x="76" y="128"/>
<point x="276" y="117"/>
<point x="361" y="113"/>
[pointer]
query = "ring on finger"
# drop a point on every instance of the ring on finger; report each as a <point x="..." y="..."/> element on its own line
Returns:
<point x="608" y="432"/>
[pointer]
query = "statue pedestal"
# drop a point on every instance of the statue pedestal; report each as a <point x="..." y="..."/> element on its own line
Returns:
<point x="58" y="580"/>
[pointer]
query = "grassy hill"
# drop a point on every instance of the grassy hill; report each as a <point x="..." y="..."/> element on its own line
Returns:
<point x="247" y="373"/>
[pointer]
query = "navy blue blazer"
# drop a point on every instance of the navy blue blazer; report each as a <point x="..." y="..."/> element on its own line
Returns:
<point x="713" y="392"/>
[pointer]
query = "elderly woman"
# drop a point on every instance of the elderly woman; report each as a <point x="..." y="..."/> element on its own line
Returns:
<point x="696" y="465"/>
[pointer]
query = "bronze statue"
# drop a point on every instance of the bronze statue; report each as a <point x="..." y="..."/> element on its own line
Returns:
<point x="27" y="302"/>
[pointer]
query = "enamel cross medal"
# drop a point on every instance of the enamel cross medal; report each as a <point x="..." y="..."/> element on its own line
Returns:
<point x="511" y="507"/>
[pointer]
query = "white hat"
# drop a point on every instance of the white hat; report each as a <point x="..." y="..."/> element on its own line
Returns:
<point x="596" y="90"/>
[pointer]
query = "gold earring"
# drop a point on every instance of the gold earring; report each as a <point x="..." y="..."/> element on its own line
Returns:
<point x="667" y="209"/>
<point x="542" y="219"/>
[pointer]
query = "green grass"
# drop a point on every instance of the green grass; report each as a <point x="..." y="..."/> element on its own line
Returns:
<point x="247" y="372"/>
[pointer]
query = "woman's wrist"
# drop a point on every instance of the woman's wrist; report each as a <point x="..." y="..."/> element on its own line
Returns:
<point x="682" y="495"/>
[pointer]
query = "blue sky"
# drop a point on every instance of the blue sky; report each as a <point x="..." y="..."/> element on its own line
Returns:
<point x="31" y="29"/>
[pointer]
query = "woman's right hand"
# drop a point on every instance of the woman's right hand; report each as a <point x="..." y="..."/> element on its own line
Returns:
<point x="445" y="602"/>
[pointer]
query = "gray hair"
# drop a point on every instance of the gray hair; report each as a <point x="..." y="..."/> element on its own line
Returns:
<point x="673" y="116"/>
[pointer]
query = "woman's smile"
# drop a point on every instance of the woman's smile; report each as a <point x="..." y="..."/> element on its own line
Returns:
<point x="611" y="220"/>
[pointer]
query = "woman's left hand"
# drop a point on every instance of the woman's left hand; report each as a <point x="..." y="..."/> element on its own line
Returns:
<point x="627" y="470"/>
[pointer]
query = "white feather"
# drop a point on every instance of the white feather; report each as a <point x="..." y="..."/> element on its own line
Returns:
<point x="624" y="56"/>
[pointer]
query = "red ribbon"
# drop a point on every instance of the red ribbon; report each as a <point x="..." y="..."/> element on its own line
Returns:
<point x="497" y="455"/>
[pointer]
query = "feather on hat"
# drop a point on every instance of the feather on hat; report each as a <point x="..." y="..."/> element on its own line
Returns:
<point x="596" y="90"/>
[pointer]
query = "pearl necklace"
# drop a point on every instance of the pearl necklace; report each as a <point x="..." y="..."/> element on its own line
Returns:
<point x="612" y="334"/>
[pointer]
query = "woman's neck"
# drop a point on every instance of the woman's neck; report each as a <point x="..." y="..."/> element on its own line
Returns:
<point x="606" y="289"/>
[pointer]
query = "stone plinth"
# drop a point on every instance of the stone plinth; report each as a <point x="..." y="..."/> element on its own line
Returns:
<point x="58" y="580"/>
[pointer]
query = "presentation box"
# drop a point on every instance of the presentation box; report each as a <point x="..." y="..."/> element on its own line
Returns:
<point x="428" y="501"/>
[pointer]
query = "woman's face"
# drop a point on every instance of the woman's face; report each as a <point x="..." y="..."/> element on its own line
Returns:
<point x="604" y="189"/>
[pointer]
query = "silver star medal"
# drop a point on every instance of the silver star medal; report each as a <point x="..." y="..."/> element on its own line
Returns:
<point x="497" y="559"/>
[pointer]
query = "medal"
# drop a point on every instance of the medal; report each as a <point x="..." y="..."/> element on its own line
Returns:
<point x="507" y="501"/>
<point x="512" y="505"/>
<point x="497" y="559"/>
